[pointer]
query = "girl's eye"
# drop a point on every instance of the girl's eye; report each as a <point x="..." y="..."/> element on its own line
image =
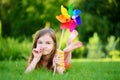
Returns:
<point x="48" y="43"/>
<point x="39" y="42"/>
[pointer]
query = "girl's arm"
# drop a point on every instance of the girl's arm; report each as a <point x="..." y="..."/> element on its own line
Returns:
<point x="32" y="65"/>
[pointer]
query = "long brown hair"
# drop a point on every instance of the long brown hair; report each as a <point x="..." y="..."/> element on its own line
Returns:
<point x="40" y="34"/>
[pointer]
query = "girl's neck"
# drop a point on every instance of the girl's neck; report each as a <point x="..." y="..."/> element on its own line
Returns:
<point x="44" y="63"/>
<point x="46" y="57"/>
<point x="45" y="60"/>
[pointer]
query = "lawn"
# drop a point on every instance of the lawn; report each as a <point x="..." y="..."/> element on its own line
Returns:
<point x="79" y="70"/>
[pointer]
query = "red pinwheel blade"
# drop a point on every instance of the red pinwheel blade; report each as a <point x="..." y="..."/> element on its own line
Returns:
<point x="65" y="25"/>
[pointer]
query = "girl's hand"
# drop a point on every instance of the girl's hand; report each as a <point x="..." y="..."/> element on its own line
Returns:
<point x="58" y="64"/>
<point x="37" y="53"/>
<point x="57" y="60"/>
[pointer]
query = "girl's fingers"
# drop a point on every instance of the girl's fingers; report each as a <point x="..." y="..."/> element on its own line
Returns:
<point x="57" y="60"/>
<point x="37" y="50"/>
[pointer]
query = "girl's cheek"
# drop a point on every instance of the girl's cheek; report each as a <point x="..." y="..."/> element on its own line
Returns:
<point x="38" y="45"/>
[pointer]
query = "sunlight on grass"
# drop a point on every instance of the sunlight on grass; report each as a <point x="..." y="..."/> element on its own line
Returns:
<point x="80" y="69"/>
<point x="96" y="60"/>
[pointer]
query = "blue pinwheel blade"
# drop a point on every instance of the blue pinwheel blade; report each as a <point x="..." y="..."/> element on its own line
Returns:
<point x="78" y="20"/>
<point x="76" y="12"/>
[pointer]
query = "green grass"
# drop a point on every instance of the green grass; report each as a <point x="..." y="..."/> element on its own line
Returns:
<point x="79" y="70"/>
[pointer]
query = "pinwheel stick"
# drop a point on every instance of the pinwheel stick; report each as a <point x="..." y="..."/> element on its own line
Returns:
<point x="61" y="38"/>
<point x="59" y="48"/>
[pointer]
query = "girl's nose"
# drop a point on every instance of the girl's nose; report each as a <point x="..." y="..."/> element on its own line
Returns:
<point x="43" y="46"/>
<point x="42" y="49"/>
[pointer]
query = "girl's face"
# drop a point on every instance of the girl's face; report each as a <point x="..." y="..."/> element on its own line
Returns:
<point x="46" y="44"/>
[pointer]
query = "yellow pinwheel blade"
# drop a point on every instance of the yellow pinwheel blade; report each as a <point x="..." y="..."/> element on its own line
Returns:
<point x="65" y="12"/>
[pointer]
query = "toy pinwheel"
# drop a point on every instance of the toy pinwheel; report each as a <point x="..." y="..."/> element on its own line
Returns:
<point x="69" y="19"/>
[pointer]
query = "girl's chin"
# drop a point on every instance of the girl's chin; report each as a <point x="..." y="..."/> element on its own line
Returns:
<point x="45" y="54"/>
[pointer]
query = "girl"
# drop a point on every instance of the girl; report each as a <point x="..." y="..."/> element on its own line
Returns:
<point x="45" y="53"/>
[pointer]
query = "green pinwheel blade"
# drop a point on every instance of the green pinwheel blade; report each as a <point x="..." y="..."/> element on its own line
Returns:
<point x="70" y="9"/>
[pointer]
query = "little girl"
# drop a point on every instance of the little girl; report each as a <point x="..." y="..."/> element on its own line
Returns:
<point x="45" y="53"/>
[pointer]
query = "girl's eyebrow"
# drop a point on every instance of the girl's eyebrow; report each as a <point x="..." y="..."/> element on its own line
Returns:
<point x="45" y="41"/>
<point x="48" y="41"/>
<point x="38" y="40"/>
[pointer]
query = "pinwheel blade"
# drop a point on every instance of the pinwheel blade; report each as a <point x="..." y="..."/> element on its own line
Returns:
<point x="76" y="12"/>
<point x="70" y="10"/>
<point x="65" y="25"/>
<point x="78" y="20"/>
<point x="65" y="12"/>
<point x="61" y="18"/>
<point x="72" y="25"/>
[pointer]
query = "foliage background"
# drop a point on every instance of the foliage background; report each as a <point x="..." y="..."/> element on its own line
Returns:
<point x="20" y="19"/>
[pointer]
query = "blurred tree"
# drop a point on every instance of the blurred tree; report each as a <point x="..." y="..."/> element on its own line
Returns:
<point x="19" y="17"/>
<point x="111" y="46"/>
<point x="95" y="47"/>
<point x="24" y="17"/>
<point x="106" y="10"/>
<point x="0" y="29"/>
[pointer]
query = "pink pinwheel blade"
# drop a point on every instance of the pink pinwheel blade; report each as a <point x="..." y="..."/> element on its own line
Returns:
<point x="73" y="25"/>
